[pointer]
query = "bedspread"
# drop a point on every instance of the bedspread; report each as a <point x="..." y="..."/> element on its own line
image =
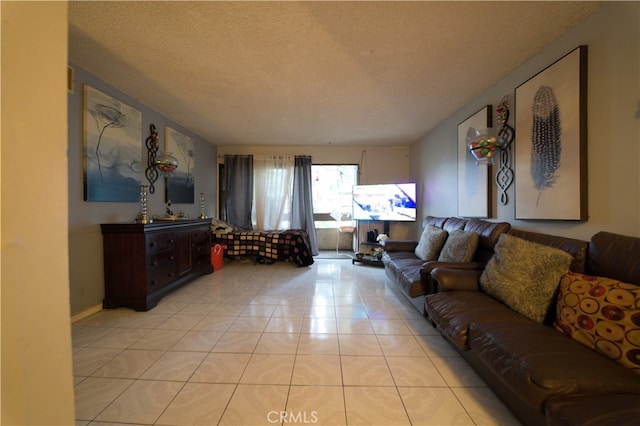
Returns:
<point x="290" y="245"/>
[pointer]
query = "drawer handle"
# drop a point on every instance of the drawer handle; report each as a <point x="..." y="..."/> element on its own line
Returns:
<point x="154" y="263"/>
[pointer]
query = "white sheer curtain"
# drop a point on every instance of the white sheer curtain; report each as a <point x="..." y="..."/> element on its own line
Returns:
<point x="273" y="183"/>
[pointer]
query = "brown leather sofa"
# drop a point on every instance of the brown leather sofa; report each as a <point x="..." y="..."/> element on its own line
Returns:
<point x="412" y="276"/>
<point x="543" y="376"/>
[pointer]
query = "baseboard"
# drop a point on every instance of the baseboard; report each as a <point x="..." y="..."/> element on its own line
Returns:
<point x="86" y="313"/>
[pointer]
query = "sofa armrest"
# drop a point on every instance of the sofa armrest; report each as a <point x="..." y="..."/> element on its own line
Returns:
<point x="457" y="279"/>
<point x="428" y="267"/>
<point x="399" y="245"/>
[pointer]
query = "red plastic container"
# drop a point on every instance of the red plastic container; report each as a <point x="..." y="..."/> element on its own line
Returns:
<point x="217" y="256"/>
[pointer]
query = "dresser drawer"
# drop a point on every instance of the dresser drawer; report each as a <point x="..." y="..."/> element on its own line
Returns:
<point x="200" y="250"/>
<point x="161" y="269"/>
<point x="201" y="235"/>
<point x="160" y="241"/>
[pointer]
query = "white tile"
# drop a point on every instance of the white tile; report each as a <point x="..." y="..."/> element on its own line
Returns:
<point x="129" y="364"/>
<point x="322" y="405"/>
<point x="415" y="371"/>
<point x="457" y="373"/>
<point x="433" y="406"/>
<point x="365" y="371"/>
<point x="327" y="344"/>
<point x="221" y="368"/>
<point x="359" y="344"/>
<point x="484" y="407"/>
<point x="142" y="402"/>
<point x="175" y="366"/>
<point x="277" y="343"/>
<point x="198" y="404"/>
<point x="317" y="370"/>
<point x="268" y="369"/>
<point x="367" y="405"/>
<point x="255" y="405"/>
<point x="95" y="393"/>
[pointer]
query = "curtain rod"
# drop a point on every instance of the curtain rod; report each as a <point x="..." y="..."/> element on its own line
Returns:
<point x="267" y="156"/>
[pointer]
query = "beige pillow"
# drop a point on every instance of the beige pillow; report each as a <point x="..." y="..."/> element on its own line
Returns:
<point x="430" y="243"/>
<point x="460" y="246"/>
<point x="524" y="275"/>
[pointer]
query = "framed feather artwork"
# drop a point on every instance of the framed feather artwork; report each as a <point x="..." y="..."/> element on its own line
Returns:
<point x="473" y="178"/>
<point x="551" y="142"/>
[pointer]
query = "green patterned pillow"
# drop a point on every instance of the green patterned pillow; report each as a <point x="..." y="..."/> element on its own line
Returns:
<point x="524" y="275"/>
<point x="430" y="243"/>
<point x="460" y="246"/>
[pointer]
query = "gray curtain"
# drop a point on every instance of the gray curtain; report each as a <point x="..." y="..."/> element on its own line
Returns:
<point x="302" y="200"/>
<point x="238" y="200"/>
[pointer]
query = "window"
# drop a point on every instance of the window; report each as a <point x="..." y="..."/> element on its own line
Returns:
<point x="332" y="186"/>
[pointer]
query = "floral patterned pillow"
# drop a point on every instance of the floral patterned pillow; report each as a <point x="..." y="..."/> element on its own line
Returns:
<point x="603" y="314"/>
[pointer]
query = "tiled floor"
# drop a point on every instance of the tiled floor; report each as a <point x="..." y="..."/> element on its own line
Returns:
<point x="276" y="344"/>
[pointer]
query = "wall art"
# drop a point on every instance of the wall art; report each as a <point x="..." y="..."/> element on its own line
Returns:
<point x="551" y="146"/>
<point x="112" y="165"/>
<point x="473" y="178"/>
<point x="181" y="182"/>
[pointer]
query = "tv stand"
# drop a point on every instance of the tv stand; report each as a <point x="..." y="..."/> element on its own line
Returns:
<point x="367" y="260"/>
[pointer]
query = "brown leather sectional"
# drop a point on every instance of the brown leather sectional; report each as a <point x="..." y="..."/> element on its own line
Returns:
<point x="412" y="276"/>
<point x="543" y="376"/>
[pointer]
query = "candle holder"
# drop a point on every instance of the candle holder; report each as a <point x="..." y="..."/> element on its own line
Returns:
<point x="202" y="215"/>
<point x="143" y="217"/>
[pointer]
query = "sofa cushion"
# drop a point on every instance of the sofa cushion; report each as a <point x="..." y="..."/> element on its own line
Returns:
<point x="524" y="275"/>
<point x="460" y="246"/>
<point x="594" y="410"/>
<point x="576" y="248"/>
<point x="452" y="313"/>
<point x="602" y="314"/>
<point x="430" y="243"/>
<point x="538" y="363"/>
<point x="404" y="268"/>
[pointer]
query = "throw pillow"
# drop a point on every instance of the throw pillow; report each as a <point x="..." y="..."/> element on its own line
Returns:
<point x="430" y="243"/>
<point x="460" y="246"/>
<point x="603" y="314"/>
<point x="524" y="275"/>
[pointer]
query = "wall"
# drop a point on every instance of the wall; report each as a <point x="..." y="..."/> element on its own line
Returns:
<point x="612" y="34"/>
<point x="36" y="370"/>
<point x="378" y="164"/>
<point x="85" y="238"/>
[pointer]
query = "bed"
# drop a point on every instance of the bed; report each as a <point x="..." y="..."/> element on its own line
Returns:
<point x="267" y="246"/>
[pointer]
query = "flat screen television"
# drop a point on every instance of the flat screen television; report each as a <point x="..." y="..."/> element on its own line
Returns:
<point x="387" y="202"/>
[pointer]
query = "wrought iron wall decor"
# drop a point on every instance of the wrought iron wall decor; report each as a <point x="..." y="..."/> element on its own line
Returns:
<point x="504" y="175"/>
<point x="152" y="149"/>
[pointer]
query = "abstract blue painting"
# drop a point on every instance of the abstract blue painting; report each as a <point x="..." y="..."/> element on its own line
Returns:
<point x="112" y="149"/>
<point x="181" y="182"/>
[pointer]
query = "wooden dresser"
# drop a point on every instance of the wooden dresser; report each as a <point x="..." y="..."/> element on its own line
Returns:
<point x="142" y="263"/>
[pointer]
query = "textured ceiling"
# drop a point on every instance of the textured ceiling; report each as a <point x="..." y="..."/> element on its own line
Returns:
<point x="297" y="73"/>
